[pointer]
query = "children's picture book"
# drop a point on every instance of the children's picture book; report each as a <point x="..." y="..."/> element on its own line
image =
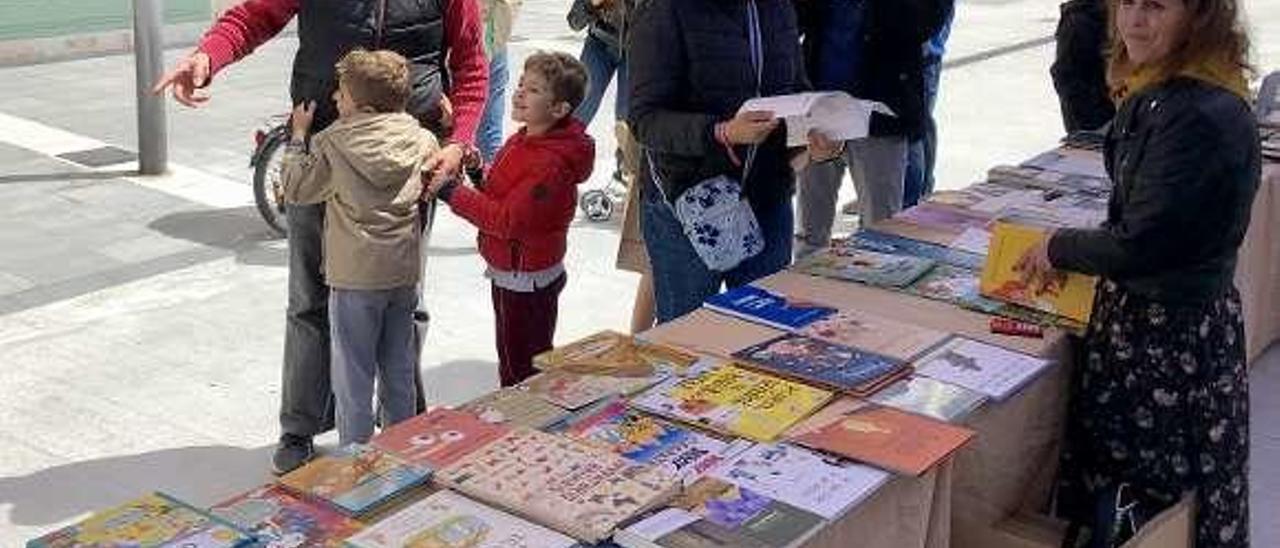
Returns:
<point x="515" y="406"/>
<point x="880" y="436"/>
<point x="280" y="520"/>
<point x="677" y="528"/>
<point x="613" y="354"/>
<point x="561" y="483"/>
<point x="829" y="365"/>
<point x="1067" y="294"/>
<point x="645" y="439"/>
<point x="766" y="307"/>
<point x="988" y="369"/>
<point x="954" y="285"/>
<point x="826" y="486"/>
<point x="930" y="397"/>
<point x="356" y="479"/>
<point x="734" y="401"/>
<point x="573" y="391"/>
<point x="446" y="519"/>
<point x="885" y="242"/>
<point x="882" y="336"/>
<point x="152" y="521"/>
<point x="437" y="438"/>
<point x="860" y="265"/>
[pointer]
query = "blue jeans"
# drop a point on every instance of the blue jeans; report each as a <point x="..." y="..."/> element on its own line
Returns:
<point x="489" y="136"/>
<point x="373" y="338"/>
<point x="681" y="281"/>
<point x="922" y="153"/>
<point x="602" y="62"/>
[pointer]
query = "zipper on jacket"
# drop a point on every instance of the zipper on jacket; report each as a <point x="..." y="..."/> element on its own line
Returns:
<point x="381" y="23"/>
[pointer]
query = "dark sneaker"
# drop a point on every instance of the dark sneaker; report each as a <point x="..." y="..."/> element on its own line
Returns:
<point x="292" y="452"/>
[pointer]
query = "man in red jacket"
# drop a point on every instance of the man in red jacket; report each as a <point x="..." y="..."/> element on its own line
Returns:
<point x="443" y="41"/>
<point x="524" y="209"/>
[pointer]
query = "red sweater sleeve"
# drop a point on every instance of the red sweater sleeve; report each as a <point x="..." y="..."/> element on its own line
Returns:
<point x="243" y="28"/>
<point x="468" y="68"/>
<point x="532" y="206"/>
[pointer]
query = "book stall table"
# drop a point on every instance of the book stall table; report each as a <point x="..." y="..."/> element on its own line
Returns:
<point x="1258" y="269"/>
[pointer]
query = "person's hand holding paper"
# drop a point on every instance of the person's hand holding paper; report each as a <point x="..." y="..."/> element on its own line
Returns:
<point x="834" y="114"/>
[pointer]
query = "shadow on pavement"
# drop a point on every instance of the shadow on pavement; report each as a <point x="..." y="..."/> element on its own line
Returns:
<point x="240" y="230"/>
<point x="456" y="382"/>
<point x="201" y="476"/>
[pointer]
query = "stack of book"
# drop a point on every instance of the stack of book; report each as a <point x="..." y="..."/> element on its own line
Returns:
<point x="155" y="520"/>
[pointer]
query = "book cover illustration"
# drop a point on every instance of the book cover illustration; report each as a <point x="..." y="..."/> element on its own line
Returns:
<point x="956" y="286"/>
<point x="437" y="438"/>
<point x="944" y="218"/>
<point x="990" y="370"/>
<point x="515" y="406"/>
<point x="151" y="521"/>
<point x="875" y="334"/>
<point x="280" y="520"/>
<point x="641" y="438"/>
<point x="831" y="365"/>
<point x="561" y="483"/>
<point x="446" y="520"/>
<point x="1069" y="294"/>
<point x="880" y="436"/>
<point x="860" y="265"/>
<point x="929" y="397"/>
<point x="735" y="401"/>
<point x="802" y="478"/>
<point x="773" y="309"/>
<point x="573" y="391"/>
<point x="885" y="242"/>
<point x="610" y="353"/>
<point x="748" y="513"/>
<point x="356" y="478"/>
<point x="677" y="528"/>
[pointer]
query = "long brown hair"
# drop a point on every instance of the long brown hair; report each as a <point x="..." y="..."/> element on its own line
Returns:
<point x="1214" y="33"/>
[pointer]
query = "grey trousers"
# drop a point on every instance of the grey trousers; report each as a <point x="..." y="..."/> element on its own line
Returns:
<point x="877" y="166"/>
<point x="373" y="339"/>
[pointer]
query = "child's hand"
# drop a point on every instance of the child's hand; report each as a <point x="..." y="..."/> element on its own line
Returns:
<point x="303" y="115"/>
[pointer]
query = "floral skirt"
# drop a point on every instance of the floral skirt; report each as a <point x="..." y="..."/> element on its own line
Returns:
<point x="1161" y="401"/>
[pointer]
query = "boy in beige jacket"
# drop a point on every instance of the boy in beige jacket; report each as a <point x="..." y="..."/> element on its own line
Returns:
<point x="365" y="168"/>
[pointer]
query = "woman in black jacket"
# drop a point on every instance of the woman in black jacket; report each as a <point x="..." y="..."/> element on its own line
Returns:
<point x="1161" y="400"/>
<point x="691" y="69"/>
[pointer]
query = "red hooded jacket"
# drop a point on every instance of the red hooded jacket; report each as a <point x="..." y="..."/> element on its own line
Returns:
<point x="524" y="208"/>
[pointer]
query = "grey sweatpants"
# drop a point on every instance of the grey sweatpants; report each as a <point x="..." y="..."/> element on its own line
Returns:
<point x="877" y="166"/>
<point x="373" y="338"/>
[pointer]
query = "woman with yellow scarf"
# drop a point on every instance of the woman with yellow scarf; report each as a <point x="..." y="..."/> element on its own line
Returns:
<point x="1161" y="396"/>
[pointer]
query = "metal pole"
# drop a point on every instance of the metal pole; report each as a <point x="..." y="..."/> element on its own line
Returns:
<point x="148" y="54"/>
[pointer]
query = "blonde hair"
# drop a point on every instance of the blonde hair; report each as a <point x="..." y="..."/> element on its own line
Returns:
<point x="377" y="80"/>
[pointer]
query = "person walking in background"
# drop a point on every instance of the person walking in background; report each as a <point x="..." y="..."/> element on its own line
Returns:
<point x="499" y="18"/>
<point x="524" y="208"/>
<point x="1160" y="404"/>
<point x="604" y="55"/>
<point x="365" y="169"/>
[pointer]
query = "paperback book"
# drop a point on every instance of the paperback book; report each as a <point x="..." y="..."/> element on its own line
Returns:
<point x="826" y="486"/>
<point x="152" y="521"/>
<point x="860" y="265"/>
<point x="1066" y="294"/>
<point x="882" y="336"/>
<point x="880" y="436"/>
<point x="931" y="398"/>
<point x="766" y="307"/>
<point x="984" y="368"/>
<point x="613" y="354"/>
<point x="516" y="406"/>
<point x="833" y="366"/>
<point x="446" y="519"/>
<point x="356" y="479"/>
<point x="574" y="391"/>
<point x="279" y="519"/>
<point x="438" y="438"/>
<point x="885" y="242"/>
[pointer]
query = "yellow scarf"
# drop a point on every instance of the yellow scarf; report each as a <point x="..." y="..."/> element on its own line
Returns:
<point x="1218" y="73"/>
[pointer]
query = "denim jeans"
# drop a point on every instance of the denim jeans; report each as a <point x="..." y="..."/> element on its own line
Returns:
<point x="922" y="154"/>
<point x="876" y="165"/>
<point x="681" y="281"/>
<point x="373" y="338"/>
<point x="490" y="135"/>
<point x="602" y="63"/>
<point x="306" y="400"/>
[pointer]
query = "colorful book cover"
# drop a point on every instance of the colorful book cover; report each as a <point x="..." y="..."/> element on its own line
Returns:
<point x="515" y="406"/>
<point x="884" y="242"/>
<point x="759" y="305"/>
<point x="929" y="397"/>
<point x="828" y="487"/>
<point x="437" y="438"/>
<point x="735" y="401"/>
<point x="875" y="334"/>
<point x="356" y="479"/>
<point x="835" y="366"/>
<point x="152" y="521"/>
<point x="644" y="439"/>
<point x="990" y="370"/>
<point x="944" y="218"/>
<point x="860" y="265"/>
<point x="677" y="528"/>
<point x="954" y="285"/>
<point x="610" y="353"/>
<point x="280" y="520"/>
<point x="1069" y="294"/>
<point x="573" y="391"/>
<point x="748" y="513"/>
<point x="880" y="436"/>
<point x="446" y="520"/>
<point x="570" y="486"/>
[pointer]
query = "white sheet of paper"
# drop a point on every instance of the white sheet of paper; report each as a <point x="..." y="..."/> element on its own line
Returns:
<point x="836" y="114"/>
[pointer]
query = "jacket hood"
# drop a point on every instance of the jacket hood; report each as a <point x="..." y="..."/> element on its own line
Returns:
<point x="569" y="143"/>
<point x="385" y="149"/>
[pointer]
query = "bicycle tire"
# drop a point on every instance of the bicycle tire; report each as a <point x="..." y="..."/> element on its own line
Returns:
<point x="273" y="145"/>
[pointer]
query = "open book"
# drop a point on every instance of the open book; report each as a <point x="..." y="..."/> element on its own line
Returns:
<point x="835" y="114"/>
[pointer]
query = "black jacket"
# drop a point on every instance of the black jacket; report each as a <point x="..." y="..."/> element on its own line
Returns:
<point x="1185" y="160"/>
<point x="1080" y="68"/>
<point x="690" y="67"/>
<point x="893" y="38"/>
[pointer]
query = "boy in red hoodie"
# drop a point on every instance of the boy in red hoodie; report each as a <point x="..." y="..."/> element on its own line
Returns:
<point x="524" y="208"/>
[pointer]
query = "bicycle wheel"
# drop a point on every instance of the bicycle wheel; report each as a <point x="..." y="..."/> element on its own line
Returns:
<point x="268" y="188"/>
